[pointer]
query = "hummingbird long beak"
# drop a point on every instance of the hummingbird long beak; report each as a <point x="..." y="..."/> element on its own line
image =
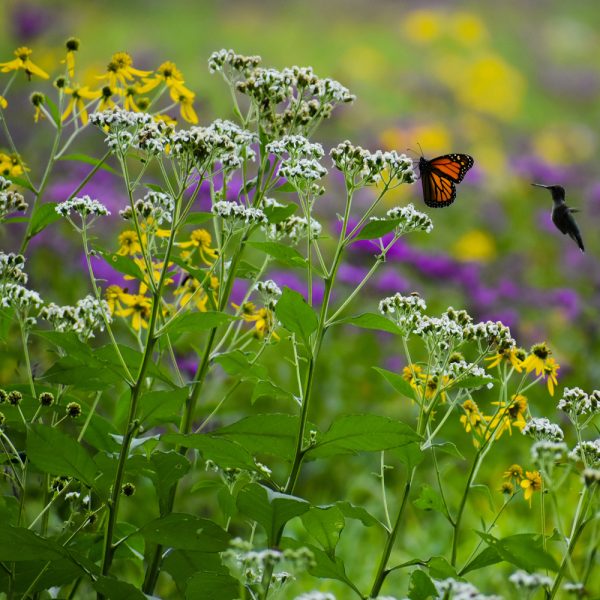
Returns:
<point x="540" y="185"/>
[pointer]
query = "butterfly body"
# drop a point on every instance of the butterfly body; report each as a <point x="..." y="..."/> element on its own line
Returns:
<point x="562" y="215"/>
<point x="440" y="175"/>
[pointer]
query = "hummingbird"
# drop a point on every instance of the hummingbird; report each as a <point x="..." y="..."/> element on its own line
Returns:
<point x="562" y="215"/>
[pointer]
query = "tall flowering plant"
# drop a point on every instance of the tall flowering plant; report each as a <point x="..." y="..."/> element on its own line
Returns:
<point x="119" y="412"/>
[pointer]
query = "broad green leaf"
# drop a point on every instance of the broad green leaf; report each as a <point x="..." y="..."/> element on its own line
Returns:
<point x="162" y="406"/>
<point x="473" y="382"/>
<point x="325" y="525"/>
<point x="58" y="454"/>
<point x="226" y="453"/>
<point x="397" y="382"/>
<point x="212" y="585"/>
<point x="370" y="321"/>
<point x="69" y="342"/>
<point x="18" y="543"/>
<point x="351" y="434"/>
<point x="376" y="229"/>
<point x="197" y="218"/>
<point x="21" y="182"/>
<point x="524" y="550"/>
<point x="276" y="214"/>
<point x="350" y="511"/>
<point x="449" y="448"/>
<point x="273" y="434"/>
<point x="239" y="364"/>
<point x="52" y="109"/>
<point x="281" y="253"/>
<point x="45" y="574"/>
<point x="487" y="557"/>
<point x="73" y="371"/>
<point x="410" y="455"/>
<point x="440" y="568"/>
<point x="167" y="469"/>
<point x="430" y="499"/>
<point x="296" y="315"/>
<point x="183" y="564"/>
<point x="286" y="188"/>
<point x="122" y="264"/>
<point x="268" y="389"/>
<point x="43" y="215"/>
<point x="113" y="589"/>
<point x="193" y="322"/>
<point x="270" y="509"/>
<point x="420" y="586"/>
<point x="90" y="160"/>
<point x="186" y="532"/>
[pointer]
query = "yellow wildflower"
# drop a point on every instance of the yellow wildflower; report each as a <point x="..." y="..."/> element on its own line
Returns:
<point x="192" y="290"/>
<point x="262" y="318"/>
<point x="531" y="483"/>
<point x="472" y="419"/>
<point x="113" y="295"/>
<point x="23" y="62"/>
<point x="515" y="356"/>
<point x="139" y="308"/>
<point x="507" y="415"/>
<point x="202" y="240"/>
<point x="550" y="369"/>
<point x="77" y="103"/>
<point x="423" y="26"/>
<point x="514" y="472"/>
<point x="106" y="100"/>
<point x="3" y="102"/>
<point x="129" y="243"/>
<point x="156" y="271"/>
<point x="475" y="245"/>
<point x="186" y="108"/>
<point x="72" y="45"/>
<point x="171" y="76"/>
<point x="11" y="165"/>
<point x="120" y="71"/>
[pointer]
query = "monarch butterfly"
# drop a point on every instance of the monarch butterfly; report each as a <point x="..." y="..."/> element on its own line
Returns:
<point x="439" y="175"/>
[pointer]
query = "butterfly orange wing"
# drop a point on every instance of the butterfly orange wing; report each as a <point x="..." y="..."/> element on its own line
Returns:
<point x="439" y="176"/>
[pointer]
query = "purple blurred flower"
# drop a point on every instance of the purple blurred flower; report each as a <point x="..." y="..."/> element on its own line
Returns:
<point x="544" y="220"/>
<point x="390" y="282"/>
<point x="535" y="170"/>
<point x="29" y="21"/>
<point x="568" y="300"/>
<point x="351" y="274"/>
<point x="291" y="280"/>
<point x="508" y="316"/>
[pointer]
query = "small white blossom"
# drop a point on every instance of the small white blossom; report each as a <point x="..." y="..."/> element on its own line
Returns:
<point x="301" y="171"/>
<point x="10" y="200"/>
<point x="294" y="228"/>
<point x="459" y="590"/>
<point x="11" y="268"/>
<point x="83" y="205"/>
<point x="576" y="403"/>
<point x="546" y="452"/>
<point x="404" y="311"/>
<point x="118" y="118"/>
<point x="587" y="451"/>
<point x="87" y="316"/>
<point x="237" y="213"/>
<point x="13" y="295"/>
<point x="269" y="292"/>
<point x="157" y="206"/>
<point x="491" y="333"/>
<point x="441" y="333"/>
<point x="295" y="146"/>
<point x="461" y="368"/>
<point x="543" y="429"/>
<point x="409" y="219"/>
<point x="529" y="581"/>
<point x="222" y="59"/>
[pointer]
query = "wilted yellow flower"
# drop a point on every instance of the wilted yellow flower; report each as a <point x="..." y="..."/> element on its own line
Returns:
<point x="23" y="62"/>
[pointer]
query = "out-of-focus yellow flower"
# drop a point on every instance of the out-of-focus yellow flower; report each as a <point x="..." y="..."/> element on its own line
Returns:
<point x="472" y="419"/>
<point x="186" y="106"/>
<point x="514" y="472"/>
<point x="192" y="290"/>
<point x="467" y="28"/>
<point x="434" y="137"/>
<point x="156" y="271"/>
<point x="201" y="240"/>
<point x="129" y="93"/>
<point x="550" y="370"/>
<point x="3" y="102"/>
<point x="113" y="295"/>
<point x="423" y="26"/>
<point x="531" y="483"/>
<point x="72" y="45"/>
<point x="171" y="76"/>
<point x="507" y="415"/>
<point x="264" y="322"/>
<point x="515" y="356"/>
<point x="129" y="243"/>
<point x="106" y="98"/>
<point x="120" y="71"/>
<point x="23" y="62"/>
<point x="138" y="307"/>
<point x="77" y="104"/>
<point x="564" y="144"/>
<point x="476" y="245"/>
<point x="11" y="165"/>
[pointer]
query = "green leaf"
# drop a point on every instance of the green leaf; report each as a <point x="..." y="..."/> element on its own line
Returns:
<point x="376" y="229"/>
<point x="58" y="454"/>
<point x="487" y="557"/>
<point x="472" y="382"/>
<point x="296" y="315"/>
<point x="270" y="509"/>
<point x="281" y="253"/>
<point x="239" y="364"/>
<point x="273" y="434"/>
<point x="43" y="215"/>
<point x="122" y="264"/>
<point x="186" y="532"/>
<point x="449" y="448"/>
<point x="370" y="321"/>
<point x="276" y="214"/>
<point x="267" y="389"/>
<point x="21" y="182"/>
<point x="90" y="160"/>
<point x="420" y="586"/>
<point x="325" y="525"/>
<point x="183" y="564"/>
<point x="212" y="585"/>
<point x="52" y="109"/>
<point x="359" y="513"/>
<point x="88" y="376"/>
<point x="430" y="499"/>
<point x="167" y="469"/>
<point x="286" y="188"/>
<point x="440" y="568"/>
<point x="113" y="589"/>
<point x="20" y="544"/>
<point x="397" y="382"/>
<point x="226" y="453"/>
<point x="351" y="434"/>
<point x="410" y="455"/>
<point x="161" y="406"/>
<point x="192" y="322"/>
<point x="197" y="218"/>
<point x="523" y="550"/>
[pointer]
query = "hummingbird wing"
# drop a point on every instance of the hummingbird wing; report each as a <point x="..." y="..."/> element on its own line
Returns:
<point x="565" y="223"/>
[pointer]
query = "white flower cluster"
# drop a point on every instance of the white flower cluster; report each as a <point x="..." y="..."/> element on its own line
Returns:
<point x="153" y="137"/>
<point x="546" y="452"/>
<point x="441" y="333"/>
<point x="295" y="228"/>
<point x="295" y="146"/>
<point x="371" y="167"/>
<point x="221" y="59"/>
<point x="118" y="118"/>
<point x="529" y="581"/>
<point x="404" y="311"/>
<point x="84" y="206"/>
<point x="11" y="268"/>
<point x="461" y="368"/>
<point x="157" y="206"/>
<point x="542" y="429"/>
<point x="315" y="595"/>
<point x="459" y="590"/>
<point x="10" y="201"/>
<point x="409" y="219"/>
<point x="491" y="333"/>
<point x="587" y="451"/>
<point x="269" y="292"/>
<point x="13" y="295"/>
<point x="576" y="403"/>
<point x="591" y="477"/>
<point x="236" y="213"/>
<point x="330" y="90"/>
<point x="301" y="171"/>
<point x="84" y="318"/>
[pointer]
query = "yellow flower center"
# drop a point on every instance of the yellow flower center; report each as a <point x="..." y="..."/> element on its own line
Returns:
<point x="23" y="53"/>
